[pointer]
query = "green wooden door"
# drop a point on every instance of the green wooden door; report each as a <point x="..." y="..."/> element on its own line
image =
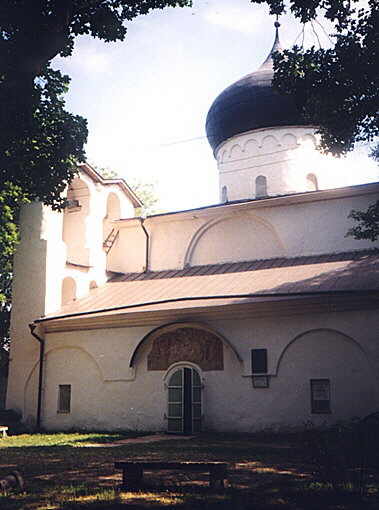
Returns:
<point x="184" y="402"/>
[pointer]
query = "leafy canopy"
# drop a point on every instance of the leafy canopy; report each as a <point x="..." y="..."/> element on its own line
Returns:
<point x="337" y="88"/>
<point x="40" y="142"/>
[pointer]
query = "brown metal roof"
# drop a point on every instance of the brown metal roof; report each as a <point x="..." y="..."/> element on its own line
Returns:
<point x="252" y="265"/>
<point x="231" y="283"/>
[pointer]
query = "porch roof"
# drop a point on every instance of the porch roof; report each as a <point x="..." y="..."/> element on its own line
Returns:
<point x="218" y="285"/>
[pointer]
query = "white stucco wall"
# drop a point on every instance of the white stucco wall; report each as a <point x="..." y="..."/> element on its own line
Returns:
<point x="106" y="393"/>
<point x="285" y="156"/>
<point x="49" y="241"/>
<point x="247" y="231"/>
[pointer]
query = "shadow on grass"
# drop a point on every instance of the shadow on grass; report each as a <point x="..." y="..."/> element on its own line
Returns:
<point x="274" y="496"/>
<point x="265" y="474"/>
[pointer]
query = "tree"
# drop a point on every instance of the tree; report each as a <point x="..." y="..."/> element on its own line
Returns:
<point x="147" y="193"/>
<point x="40" y="142"/>
<point x="143" y="189"/>
<point x="337" y="88"/>
<point x="367" y="226"/>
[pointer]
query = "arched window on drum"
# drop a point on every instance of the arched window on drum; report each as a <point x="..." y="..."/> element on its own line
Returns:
<point x="260" y="186"/>
<point x="312" y="183"/>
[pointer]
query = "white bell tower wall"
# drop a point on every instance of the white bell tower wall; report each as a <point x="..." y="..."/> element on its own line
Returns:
<point x="269" y="162"/>
<point x="60" y="258"/>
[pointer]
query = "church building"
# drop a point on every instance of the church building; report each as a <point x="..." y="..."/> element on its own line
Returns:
<point x="254" y="313"/>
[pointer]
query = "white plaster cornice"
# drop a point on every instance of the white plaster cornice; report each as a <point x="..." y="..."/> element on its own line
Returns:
<point x="246" y="205"/>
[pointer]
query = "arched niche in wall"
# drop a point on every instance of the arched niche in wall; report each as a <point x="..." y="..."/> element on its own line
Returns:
<point x="251" y="147"/>
<point x="309" y="141"/>
<point x="74" y="222"/>
<point x="223" y="157"/>
<point x="74" y="366"/>
<point x="261" y="186"/>
<point x="331" y="357"/>
<point x="233" y="239"/>
<point x="270" y="144"/>
<point x="236" y="152"/>
<point x="184" y="342"/>
<point x="289" y="140"/>
<point x="113" y="212"/>
<point x="68" y="290"/>
<point x="312" y="182"/>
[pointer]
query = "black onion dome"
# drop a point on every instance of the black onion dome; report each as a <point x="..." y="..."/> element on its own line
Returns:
<point x="251" y="103"/>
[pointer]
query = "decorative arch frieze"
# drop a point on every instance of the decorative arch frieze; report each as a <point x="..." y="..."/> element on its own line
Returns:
<point x="247" y="145"/>
<point x="289" y="140"/>
<point x="224" y="156"/>
<point x="309" y="139"/>
<point x="236" y="151"/>
<point x="251" y="146"/>
<point x="270" y="143"/>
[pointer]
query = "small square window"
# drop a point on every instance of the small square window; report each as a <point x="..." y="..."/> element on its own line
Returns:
<point x="64" y="398"/>
<point x="320" y="396"/>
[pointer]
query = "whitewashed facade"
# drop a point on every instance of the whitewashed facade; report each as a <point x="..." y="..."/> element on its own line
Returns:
<point x="151" y="324"/>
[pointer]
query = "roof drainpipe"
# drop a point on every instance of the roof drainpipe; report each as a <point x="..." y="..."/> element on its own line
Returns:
<point x="41" y="341"/>
<point x="147" y="245"/>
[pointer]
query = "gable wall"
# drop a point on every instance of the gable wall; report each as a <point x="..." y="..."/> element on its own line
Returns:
<point x="242" y="233"/>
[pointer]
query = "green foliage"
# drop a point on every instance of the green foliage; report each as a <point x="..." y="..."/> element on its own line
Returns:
<point x="73" y="439"/>
<point x="145" y="191"/>
<point x="337" y="88"/>
<point x="368" y="223"/>
<point x="40" y="142"/>
<point x="263" y="475"/>
<point x="40" y="155"/>
<point x="11" y="198"/>
<point x="343" y="455"/>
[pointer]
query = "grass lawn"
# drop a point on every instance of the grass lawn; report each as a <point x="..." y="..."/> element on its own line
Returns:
<point x="75" y="472"/>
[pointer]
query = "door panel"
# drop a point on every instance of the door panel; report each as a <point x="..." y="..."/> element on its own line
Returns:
<point x="184" y="402"/>
<point x="187" y="404"/>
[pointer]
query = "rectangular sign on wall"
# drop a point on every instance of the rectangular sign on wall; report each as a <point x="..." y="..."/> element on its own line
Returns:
<point x="259" y="361"/>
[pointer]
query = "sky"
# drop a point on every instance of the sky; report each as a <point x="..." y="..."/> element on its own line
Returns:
<point x="146" y="98"/>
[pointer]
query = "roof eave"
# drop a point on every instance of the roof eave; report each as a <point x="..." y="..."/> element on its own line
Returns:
<point x="262" y="306"/>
